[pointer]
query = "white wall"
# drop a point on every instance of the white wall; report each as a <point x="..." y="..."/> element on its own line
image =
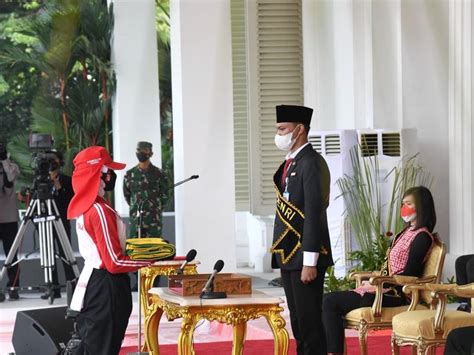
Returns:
<point x="383" y="64"/>
<point x="203" y="130"/>
<point x="136" y="108"/>
<point x="425" y="51"/>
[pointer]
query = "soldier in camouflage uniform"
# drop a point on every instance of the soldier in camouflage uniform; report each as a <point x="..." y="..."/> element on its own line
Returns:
<point x="148" y="185"/>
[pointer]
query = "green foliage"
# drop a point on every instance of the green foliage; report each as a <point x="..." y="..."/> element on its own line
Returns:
<point x="333" y="283"/>
<point x="18" y="85"/>
<point x="57" y="78"/>
<point x="164" y="68"/>
<point x="373" y="258"/>
<point x="371" y="215"/>
<point x="64" y="49"/>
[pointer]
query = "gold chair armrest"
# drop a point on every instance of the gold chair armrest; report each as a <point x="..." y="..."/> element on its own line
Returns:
<point x="464" y="291"/>
<point x="439" y="292"/>
<point x="420" y="284"/>
<point x="442" y="299"/>
<point x="379" y="281"/>
<point x="360" y="276"/>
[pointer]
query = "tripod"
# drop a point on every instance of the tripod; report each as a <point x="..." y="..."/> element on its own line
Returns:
<point x="43" y="213"/>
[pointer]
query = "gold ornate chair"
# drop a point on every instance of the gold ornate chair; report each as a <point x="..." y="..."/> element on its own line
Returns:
<point x="377" y="317"/>
<point x="427" y="329"/>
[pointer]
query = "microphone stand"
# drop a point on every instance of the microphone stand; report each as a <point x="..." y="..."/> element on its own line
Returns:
<point x="140" y="212"/>
<point x="139" y="286"/>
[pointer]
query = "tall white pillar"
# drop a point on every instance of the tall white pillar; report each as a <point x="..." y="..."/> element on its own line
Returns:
<point x="319" y="61"/>
<point x="337" y="58"/>
<point x="136" y="108"/>
<point x="387" y="64"/>
<point x="461" y="197"/>
<point x="203" y="130"/>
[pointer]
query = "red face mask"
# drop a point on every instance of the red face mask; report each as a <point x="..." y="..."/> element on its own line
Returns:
<point x="407" y="213"/>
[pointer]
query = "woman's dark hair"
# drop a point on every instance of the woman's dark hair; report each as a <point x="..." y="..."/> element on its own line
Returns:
<point x="425" y="210"/>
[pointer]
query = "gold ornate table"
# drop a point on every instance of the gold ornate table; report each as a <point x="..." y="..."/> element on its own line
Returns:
<point x="235" y="310"/>
<point x="148" y="276"/>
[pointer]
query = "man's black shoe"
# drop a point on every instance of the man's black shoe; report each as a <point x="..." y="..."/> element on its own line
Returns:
<point x="13" y="295"/>
<point x="45" y="295"/>
<point x="276" y="282"/>
<point x="464" y="307"/>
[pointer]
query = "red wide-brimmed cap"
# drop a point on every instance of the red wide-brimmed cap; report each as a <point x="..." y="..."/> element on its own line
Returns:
<point x="88" y="165"/>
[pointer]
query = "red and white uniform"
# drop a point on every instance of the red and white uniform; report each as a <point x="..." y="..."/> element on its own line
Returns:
<point x="101" y="236"/>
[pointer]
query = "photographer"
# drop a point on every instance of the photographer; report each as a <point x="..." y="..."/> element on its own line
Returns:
<point x="9" y="171"/>
<point x="62" y="193"/>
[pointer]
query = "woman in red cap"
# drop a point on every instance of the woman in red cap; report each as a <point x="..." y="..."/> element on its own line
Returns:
<point x="102" y="295"/>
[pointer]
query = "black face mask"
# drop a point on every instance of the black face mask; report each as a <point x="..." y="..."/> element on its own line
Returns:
<point x="3" y="155"/>
<point x="109" y="179"/>
<point x="142" y="157"/>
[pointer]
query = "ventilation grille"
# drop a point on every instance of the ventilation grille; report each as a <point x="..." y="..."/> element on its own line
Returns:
<point x="280" y="81"/>
<point x="391" y="144"/>
<point x="241" y="122"/>
<point x="368" y="144"/>
<point x="333" y="144"/>
<point x="316" y="143"/>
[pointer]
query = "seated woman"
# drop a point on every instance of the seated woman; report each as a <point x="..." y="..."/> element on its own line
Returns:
<point x="407" y="255"/>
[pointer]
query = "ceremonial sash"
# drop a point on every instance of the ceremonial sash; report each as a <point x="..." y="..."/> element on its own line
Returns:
<point x="289" y="241"/>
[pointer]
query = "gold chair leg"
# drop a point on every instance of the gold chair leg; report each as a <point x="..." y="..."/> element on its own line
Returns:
<point x="395" y="347"/>
<point x="422" y="348"/>
<point x="431" y="350"/>
<point x="363" y="330"/>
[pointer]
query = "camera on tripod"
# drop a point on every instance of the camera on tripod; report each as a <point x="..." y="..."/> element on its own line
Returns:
<point x="43" y="163"/>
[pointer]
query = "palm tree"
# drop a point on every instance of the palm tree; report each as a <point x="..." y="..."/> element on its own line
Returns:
<point x="72" y="53"/>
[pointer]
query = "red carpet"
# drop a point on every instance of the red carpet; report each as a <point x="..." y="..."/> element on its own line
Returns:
<point x="379" y="344"/>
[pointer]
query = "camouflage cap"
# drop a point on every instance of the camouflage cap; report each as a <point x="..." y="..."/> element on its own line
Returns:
<point x="144" y="145"/>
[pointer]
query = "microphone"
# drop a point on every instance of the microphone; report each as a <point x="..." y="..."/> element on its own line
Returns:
<point x="193" y="177"/>
<point x="207" y="291"/>
<point x="189" y="257"/>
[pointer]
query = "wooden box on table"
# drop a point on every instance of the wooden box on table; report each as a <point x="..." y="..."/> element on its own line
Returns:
<point x="192" y="285"/>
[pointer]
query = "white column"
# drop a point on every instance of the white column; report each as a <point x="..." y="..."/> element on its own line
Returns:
<point x="343" y="63"/>
<point x="460" y="128"/>
<point x="337" y="58"/>
<point x="319" y="61"/>
<point x="203" y="130"/>
<point x="387" y="64"/>
<point x="363" y="65"/>
<point x="136" y="108"/>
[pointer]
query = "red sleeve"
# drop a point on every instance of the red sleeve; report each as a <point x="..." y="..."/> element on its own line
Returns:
<point x="101" y="223"/>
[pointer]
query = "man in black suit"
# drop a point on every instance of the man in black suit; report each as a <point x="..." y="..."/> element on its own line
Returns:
<point x="301" y="246"/>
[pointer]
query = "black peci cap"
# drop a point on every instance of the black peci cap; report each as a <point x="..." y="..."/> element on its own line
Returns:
<point x="294" y="113"/>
